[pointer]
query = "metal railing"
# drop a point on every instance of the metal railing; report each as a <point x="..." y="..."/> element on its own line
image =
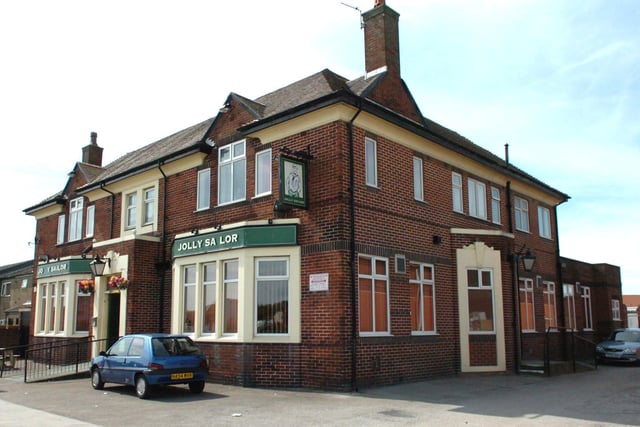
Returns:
<point x="580" y="349"/>
<point x="48" y="360"/>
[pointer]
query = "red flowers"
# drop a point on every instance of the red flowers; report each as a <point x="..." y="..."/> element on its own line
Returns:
<point x="86" y="286"/>
<point x="118" y="282"/>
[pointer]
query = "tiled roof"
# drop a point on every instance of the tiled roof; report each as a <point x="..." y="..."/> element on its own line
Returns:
<point x="179" y="141"/>
<point x="16" y="269"/>
<point x="631" y="300"/>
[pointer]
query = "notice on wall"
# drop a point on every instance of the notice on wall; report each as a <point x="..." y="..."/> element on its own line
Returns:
<point x="318" y="282"/>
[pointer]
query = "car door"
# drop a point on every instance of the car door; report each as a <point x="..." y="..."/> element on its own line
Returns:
<point x="113" y="370"/>
<point x="135" y="360"/>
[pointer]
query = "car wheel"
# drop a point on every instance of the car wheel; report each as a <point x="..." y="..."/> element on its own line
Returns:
<point x="196" y="387"/>
<point x="96" y="379"/>
<point x="142" y="387"/>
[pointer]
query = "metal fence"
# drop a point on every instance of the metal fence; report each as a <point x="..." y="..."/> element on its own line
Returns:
<point x="43" y="361"/>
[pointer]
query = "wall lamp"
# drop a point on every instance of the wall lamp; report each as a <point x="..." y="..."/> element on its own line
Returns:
<point x="97" y="265"/>
<point x="527" y="258"/>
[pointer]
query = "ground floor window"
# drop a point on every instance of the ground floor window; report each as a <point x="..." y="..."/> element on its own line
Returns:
<point x="422" y="300"/>
<point x="586" y="298"/>
<point x="373" y="294"/>
<point x="569" y="306"/>
<point x="61" y="309"/>
<point x="549" y="294"/>
<point x="480" y="294"/>
<point x="243" y="295"/>
<point x="527" y="316"/>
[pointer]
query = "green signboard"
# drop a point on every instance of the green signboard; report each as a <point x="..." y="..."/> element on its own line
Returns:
<point x="244" y="237"/>
<point x="61" y="268"/>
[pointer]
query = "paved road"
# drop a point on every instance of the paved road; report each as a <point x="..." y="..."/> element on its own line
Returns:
<point x="606" y="397"/>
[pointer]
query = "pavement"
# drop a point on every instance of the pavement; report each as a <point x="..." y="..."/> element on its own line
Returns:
<point x="608" y="396"/>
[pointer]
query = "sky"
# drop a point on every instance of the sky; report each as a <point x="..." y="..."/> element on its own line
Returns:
<point x="556" y="80"/>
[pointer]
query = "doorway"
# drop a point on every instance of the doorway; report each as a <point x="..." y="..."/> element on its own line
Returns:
<point x="113" y="318"/>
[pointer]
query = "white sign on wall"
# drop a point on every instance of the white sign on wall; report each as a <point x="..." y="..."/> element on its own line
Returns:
<point x="319" y="282"/>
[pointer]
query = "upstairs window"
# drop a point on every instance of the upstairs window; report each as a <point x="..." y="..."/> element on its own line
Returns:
<point x="149" y="205"/>
<point x="91" y="215"/>
<point x="477" y="199"/>
<point x="75" y="219"/>
<point x="495" y="205"/>
<point x="263" y="172"/>
<point x="203" y="197"/>
<point x="232" y="170"/>
<point x="139" y="209"/>
<point x="418" y="186"/>
<point x="131" y="201"/>
<point x="371" y="162"/>
<point x="544" y="222"/>
<point x="456" y="191"/>
<point x="62" y="220"/>
<point x="6" y="289"/>
<point x="521" y="207"/>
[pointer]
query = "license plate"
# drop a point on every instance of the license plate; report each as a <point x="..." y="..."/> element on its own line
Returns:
<point x="613" y="355"/>
<point x="182" y="376"/>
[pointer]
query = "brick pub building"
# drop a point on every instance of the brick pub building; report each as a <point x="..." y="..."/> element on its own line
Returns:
<point x="325" y="235"/>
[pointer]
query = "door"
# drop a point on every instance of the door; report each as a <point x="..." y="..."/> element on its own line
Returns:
<point x="113" y="320"/>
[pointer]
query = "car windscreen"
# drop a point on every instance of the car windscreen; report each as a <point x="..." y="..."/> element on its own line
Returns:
<point x="628" y="336"/>
<point x="173" y="346"/>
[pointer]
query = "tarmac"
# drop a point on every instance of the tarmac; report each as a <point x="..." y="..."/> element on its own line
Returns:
<point x="608" y="396"/>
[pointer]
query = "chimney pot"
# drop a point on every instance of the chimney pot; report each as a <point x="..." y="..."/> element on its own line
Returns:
<point x="94" y="138"/>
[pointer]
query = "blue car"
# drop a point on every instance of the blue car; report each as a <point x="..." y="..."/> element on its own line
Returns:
<point x="146" y="360"/>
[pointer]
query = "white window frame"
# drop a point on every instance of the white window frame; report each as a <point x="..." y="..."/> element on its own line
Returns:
<point x="75" y="219"/>
<point x="373" y="277"/>
<point x="544" y="222"/>
<point x="456" y="192"/>
<point x="615" y="309"/>
<point x="203" y="189"/>
<point x="477" y="198"/>
<point x="58" y="293"/>
<point x="418" y="179"/>
<point x="549" y="295"/>
<point x="263" y="173"/>
<point x="62" y="220"/>
<point x="135" y="202"/>
<point x="482" y="287"/>
<point x="131" y="210"/>
<point x="148" y="205"/>
<point x="371" y="162"/>
<point x="91" y="221"/>
<point x="270" y="278"/>
<point x="6" y="289"/>
<point x="588" y="315"/>
<point x="495" y="205"/>
<point x="569" y="305"/>
<point x="521" y="211"/>
<point x="77" y="298"/>
<point x="422" y="283"/>
<point x="236" y="162"/>
<point x="526" y="289"/>
<point x="246" y="291"/>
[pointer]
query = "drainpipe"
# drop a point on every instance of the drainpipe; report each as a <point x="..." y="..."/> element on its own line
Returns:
<point x="517" y="338"/>
<point x="163" y="257"/>
<point x="561" y="282"/>
<point x="352" y="238"/>
<point x="113" y="201"/>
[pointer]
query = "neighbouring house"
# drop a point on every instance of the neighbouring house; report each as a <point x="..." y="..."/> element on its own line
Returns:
<point x="16" y="292"/>
<point x="324" y="235"/>
<point x="631" y="303"/>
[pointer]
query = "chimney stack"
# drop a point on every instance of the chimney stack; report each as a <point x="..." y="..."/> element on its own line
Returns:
<point x="381" y="40"/>
<point x="92" y="154"/>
